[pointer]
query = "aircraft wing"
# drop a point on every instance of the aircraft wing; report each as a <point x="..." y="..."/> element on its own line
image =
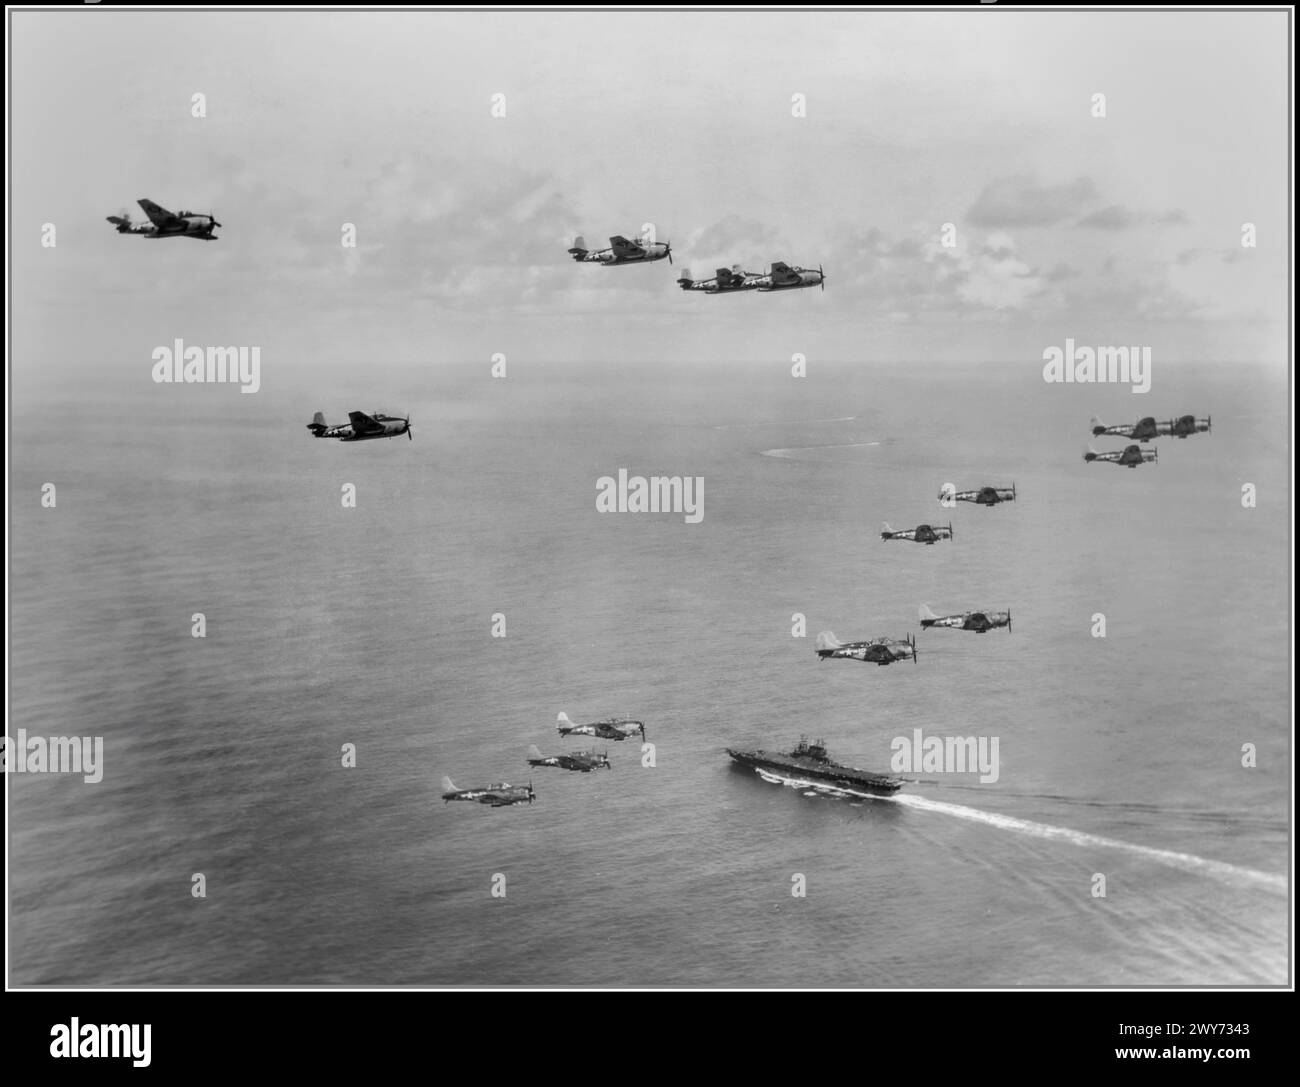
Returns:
<point x="624" y="248"/>
<point x="361" y="422"/>
<point x="781" y="271"/>
<point x="159" y="216"/>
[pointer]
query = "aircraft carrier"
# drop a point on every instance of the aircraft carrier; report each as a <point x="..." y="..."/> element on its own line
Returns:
<point x="810" y="762"/>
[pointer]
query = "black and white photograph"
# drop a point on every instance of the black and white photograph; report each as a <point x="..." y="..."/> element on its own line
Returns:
<point x="623" y="499"/>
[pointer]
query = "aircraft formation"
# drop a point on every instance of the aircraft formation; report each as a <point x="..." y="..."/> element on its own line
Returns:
<point x="503" y="794"/>
<point x="778" y="277"/>
<point x="1143" y="430"/>
<point x="884" y="650"/>
<point x="362" y="426"/>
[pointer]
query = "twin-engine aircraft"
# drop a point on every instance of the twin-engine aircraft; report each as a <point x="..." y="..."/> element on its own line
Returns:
<point x="1187" y="425"/>
<point x="923" y="534"/>
<point x="875" y="650"/>
<point x="984" y="496"/>
<point x="498" y="796"/>
<point x="979" y="621"/>
<point x="621" y="251"/>
<point x="1146" y="429"/>
<point x="165" y="224"/>
<point x="362" y="427"/>
<point x="726" y="281"/>
<point x="614" y="728"/>
<point x="582" y="761"/>
<point x="1129" y="458"/>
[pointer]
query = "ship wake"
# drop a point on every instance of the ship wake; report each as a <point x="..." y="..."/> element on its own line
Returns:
<point x="1187" y="862"/>
<point x="815" y="788"/>
<point x="798" y="451"/>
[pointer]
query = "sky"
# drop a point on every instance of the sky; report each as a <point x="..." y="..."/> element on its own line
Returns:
<point x="1122" y="229"/>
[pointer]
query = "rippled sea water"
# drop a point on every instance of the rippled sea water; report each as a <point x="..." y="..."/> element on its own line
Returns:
<point x="327" y="626"/>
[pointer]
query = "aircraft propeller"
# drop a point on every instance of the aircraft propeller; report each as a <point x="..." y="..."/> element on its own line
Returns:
<point x="213" y="216"/>
<point x="408" y="427"/>
<point x="530" y="792"/>
<point x="1008" y="620"/>
<point x="911" y="639"/>
<point x="668" y="252"/>
<point x="950" y="532"/>
<point x="823" y="277"/>
<point x="1207" y="424"/>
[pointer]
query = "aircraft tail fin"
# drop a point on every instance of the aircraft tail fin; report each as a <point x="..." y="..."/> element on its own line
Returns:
<point x="684" y="280"/>
<point x="924" y="613"/>
<point x="578" y="249"/>
<point x="533" y="753"/>
<point x="1098" y="427"/>
<point x="448" y="786"/>
<point x="318" y="426"/>
<point x="827" y="640"/>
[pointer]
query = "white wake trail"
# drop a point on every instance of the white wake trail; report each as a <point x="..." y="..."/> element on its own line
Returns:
<point x="1228" y="873"/>
<point x="785" y="422"/>
<point x="787" y="454"/>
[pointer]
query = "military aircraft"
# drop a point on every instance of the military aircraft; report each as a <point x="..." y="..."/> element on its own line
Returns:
<point x="498" y="796"/>
<point x="1143" y="430"/>
<point x="979" y="621"/>
<point x="622" y="251"/>
<point x="614" y="728"/>
<point x="781" y="277"/>
<point x="925" y="534"/>
<point x="726" y="281"/>
<point x="1129" y="458"/>
<point x="1187" y="425"/>
<point x="984" y="496"/>
<point x="582" y="761"/>
<point x="362" y="428"/>
<point x="164" y="224"/>
<point x="878" y="650"/>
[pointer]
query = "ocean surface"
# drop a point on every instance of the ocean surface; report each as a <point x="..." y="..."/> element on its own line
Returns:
<point x="1120" y="756"/>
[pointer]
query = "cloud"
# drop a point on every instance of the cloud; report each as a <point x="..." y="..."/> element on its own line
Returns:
<point x="1112" y="217"/>
<point x="1118" y="217"/>
<point x="733" y="239"/>
<point x="1019" y="201"/>
<point x="916" y="275"/>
